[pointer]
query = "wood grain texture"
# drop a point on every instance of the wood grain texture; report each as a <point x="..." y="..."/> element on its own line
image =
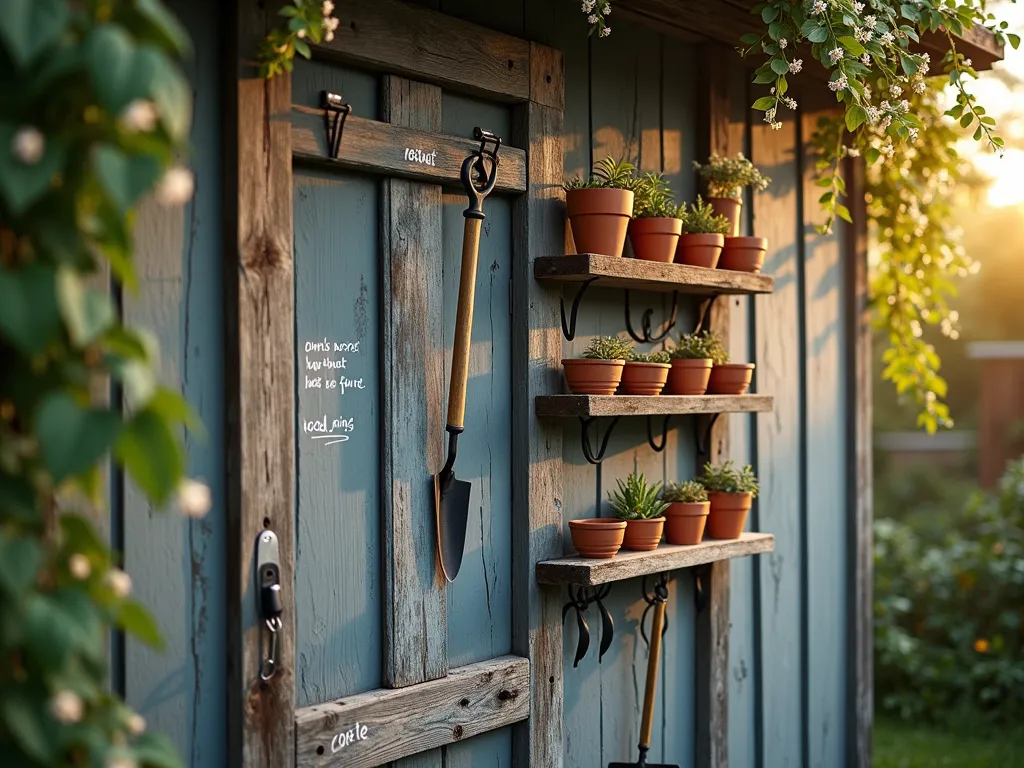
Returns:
<point x="415" y="621"/>
<point x="537" y="485"/>
<point x="404" y="39"/>
<point x="638" y="405"/>
<point x="261" y="392"/>
<point x="635" y="274"/>
<point x="369" y="145"/>
<point x="667" y="557"/>
<point x="469" y="701"/>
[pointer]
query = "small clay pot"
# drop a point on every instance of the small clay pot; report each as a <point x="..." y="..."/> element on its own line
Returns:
<point x="684" y="522"/>
<point x="597" y="537"/>
<point x="744" y="254"/>
<point x="643" y="378"/>
<point x="730" y="208"/>
<point x="643" y="535"/>
<point x="730" y="378"/>
<point x="655" y="239"/>
<point x="688" y="377"/>
<point x="700" y="250"/>
<point x="592" y="377"/>
<point x="728" y="514"/>
<point x="599" y="219"/>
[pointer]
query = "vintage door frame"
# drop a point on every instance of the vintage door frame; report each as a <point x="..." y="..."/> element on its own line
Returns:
<point x="268" y="133"/>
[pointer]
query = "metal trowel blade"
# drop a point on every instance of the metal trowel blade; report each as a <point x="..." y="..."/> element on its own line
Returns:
<point x="451" y="512"/>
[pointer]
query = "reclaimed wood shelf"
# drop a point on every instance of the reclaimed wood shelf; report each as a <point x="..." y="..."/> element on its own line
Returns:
<point x="589" y="572"/>
<point x="636" y="274"/>
<point x="589" y="406"/>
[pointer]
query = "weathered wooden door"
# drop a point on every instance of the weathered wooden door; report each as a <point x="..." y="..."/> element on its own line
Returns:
<point x="350" y="238"/>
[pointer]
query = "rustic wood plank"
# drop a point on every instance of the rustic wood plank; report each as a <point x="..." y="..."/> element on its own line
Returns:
<point x="417" y="42"/>
<point x="415" y="638"/>
<point x="639" y="405"/>
<point x="372" y="728"/>
<point x="667" y="557"/>
<point x="635" y="274"/>
<point x="369" y="145"/>
<point x="260" y="366"/>
<point x="537" y="487"/>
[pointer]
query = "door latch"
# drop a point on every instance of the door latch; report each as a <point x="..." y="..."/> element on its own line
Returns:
<point x="270" y="606"/>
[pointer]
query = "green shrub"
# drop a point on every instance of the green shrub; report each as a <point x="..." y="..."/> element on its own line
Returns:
<point x="653" y="198"/>
<point x="727" y="176"/>
<point x="686" y="492"/>
<point x="635" y="499"/>
<point x="701" y="219"/>
<point x="608" y="348"/>
<point x="725" y="478"/>
<point x="650" y="357"/>
<point x="705" y="345"/>
<point x="608" y="174"/>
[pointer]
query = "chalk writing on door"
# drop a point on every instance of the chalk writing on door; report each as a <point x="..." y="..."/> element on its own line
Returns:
<point x="330" y="366"/>
<point x="419" y="156"/>
<point x="341" y="740"/>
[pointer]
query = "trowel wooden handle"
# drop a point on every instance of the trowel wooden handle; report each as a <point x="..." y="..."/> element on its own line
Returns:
<point x="651" y="685"/>
<point x="464" y="324"/>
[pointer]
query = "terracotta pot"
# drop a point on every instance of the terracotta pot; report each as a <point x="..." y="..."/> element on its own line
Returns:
<point x="644" y="378"/>
<point x="643" y="535"/>
<point x="728" y="514"/>
<point x="744" y="254"/>
<point x="730" y="208"/>
<point x="599" y="218"/>
<point x="597" y="537"/>
<point x="688" y="377"/>
<point x="655" y="239"/>
<point x="730" y="378"/>
<point x="684" y="521"/>
<point x="592" y="377"/>
<point x="700" y="250"/>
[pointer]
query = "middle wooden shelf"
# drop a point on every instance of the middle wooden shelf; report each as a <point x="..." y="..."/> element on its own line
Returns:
<point x="588" y="406"/>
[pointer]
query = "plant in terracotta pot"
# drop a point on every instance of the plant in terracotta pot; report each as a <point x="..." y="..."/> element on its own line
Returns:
<point x="730" y="493"/>
<point x="599" y="207"/>
<point x="637" y="502"/>
<point x="645" y="373"/>
<point x="692" y="359"/>
<point x="687" y="512"/>
<point x="728" y="378"/>
<point x="726" y="177"/>
<point x="597" y="537"/>
<point x="703" y="236"/>
<point x="655" y="228"/>
<point x="599" y="370"/>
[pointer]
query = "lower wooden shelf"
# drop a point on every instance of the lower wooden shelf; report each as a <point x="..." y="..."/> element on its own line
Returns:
<point x="627" y="565"/>
<point x="658" y="405"/>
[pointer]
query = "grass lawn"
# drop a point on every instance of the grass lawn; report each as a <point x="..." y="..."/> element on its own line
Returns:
<point x="905" y="746"/>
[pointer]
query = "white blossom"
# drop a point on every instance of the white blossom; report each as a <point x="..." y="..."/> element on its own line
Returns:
<point x="769" y="115"/>
<point x="858" y="7"/>
<point x="869" y="21"/>
<point x="121" y="761"/>
<point x="120" y="583"/>
<point x="67" y="707"/>
<point x="887" y="150"/>
<point x="177" y="186"/>
<point x="194" y="498"/>
<point x="895" y="91"/>
<point x="873" y="114"/>
<point x="140" y="116"/>
<point x="865" y="59"/>
<point x="835" y="55"/>
<point x="588" y="6"/>
<point x="795" y="66"/>
<point x="776" y="126"/>
<point x="136" y="724"/>
<point x="920" y="86"/>
<point x="331" y="24"/>
<point x="606" y="10"/>
<point x="605" y="32"/>
<point x="818" y="7"/>
<point x="913" y="133"/>
<point x="592" y="19"/>
<point x="79" y="566"/>
<point x="886" y="122"/>
<point x="783" y="42"/>
<point x="28" y="145"/>
<point x="839" y="84"/>
<point x="851" y="151"/>
<point x="327" y="8"/>
<point x="329" y="36"/>
<point x="300" y="34"/>
<point x="904" y="106"/>
<point x="887" y="39"/>
<point x="789" y="102"/>
<point x="967" y="62"/>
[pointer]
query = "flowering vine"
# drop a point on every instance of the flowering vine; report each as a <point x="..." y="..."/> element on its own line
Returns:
<point x="308" y="21"/>
<point x="597" y="12"/>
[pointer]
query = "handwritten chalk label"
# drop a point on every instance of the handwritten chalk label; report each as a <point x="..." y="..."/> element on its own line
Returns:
<point x="329" y="365"/>
<point x="341" y="740"/>
<point x="419" y="156"/>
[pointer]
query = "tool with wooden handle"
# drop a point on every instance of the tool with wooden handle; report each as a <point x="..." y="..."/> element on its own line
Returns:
<point x="451" y="496"/>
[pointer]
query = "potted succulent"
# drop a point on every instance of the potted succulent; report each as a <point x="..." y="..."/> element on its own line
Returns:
<point x="638" y="504"/>
<point x="703" y="235"/>
<point x="730" y="493"/>
<point x="645" y="374"/>
<point x="729" y="378"/>
<point x="655" y="228"/>
<point x="599" y="370"/>
<point x="726" y="177"/>
<point x="599" y="207"/>
<point x="692" y="359"/>
<point x="597" y="537"/>
<point x="687" y="512"/>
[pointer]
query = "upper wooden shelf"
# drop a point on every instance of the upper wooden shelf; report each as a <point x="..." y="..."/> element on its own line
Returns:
<point x="639" y="405"/>
<point x="635" y="274"/>
<point x="589" y="572"/>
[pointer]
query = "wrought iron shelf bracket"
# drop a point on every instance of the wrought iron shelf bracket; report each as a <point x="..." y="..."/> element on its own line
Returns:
<point x="588" y="451"/>
<point x="569" y="329"/>
<point x="645" y="336"/>
<point x="658" y="447"/>
<point x="703" y="441"/>
<point x="581" y="599"/>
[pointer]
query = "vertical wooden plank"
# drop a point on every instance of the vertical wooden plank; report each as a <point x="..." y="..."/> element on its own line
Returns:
<point x="415" y="623"/>
<point x="860" y="563"/>
<point x="261" y="389"/>
<point x="537" y="445"/>
<point x="825" y="451"/>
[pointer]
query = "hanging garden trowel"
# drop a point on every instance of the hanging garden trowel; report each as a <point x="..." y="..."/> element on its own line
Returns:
<point x="451" y="496"/>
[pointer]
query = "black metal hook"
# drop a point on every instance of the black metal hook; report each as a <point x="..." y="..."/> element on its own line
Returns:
<point x="581" y="600"/>
<point x="588" y="451"/>
<point x="705" y="313"/>
<point x="656" y="447"/>
<point x="658" y="595"/>
<point x="569" y="330"/>
<point x="703" y="445"/>
<point x="483" y="185"/>
<point x="645" y="336"/>
<point x="700" y="591"/>
<point x="335" y="114"/>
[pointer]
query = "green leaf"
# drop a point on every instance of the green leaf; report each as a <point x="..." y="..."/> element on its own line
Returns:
<point x="170" y="91"/>
<point x="855" y="117"/>
<point x="779" y="66"/>
<point x="72" y="438"/>
<point x="769" y="14"/>
<point x="967" y="119"/>
<point x="302" y="49"/>
<point x="910" y="13"/>
<point x="871" y="155"/>
<point x="164" y="27"/>
<point x="138" y="381"/>
<point x="174" y="408"/>
<point x="750" y="38"/>
<point x="29" y="317"/>
<point x="765" y="102"/>
<point x="134" y="619"/>
<point x="843" y="213"/>
<point x="125" y="177"/>
<point x="111" y="56"/>
<point x="1014" y="40"/>
<point x="765" y="77"/>
<point x="21" y="184"/>
<point x="20" y="559"/>
<point x="29" y="27"/>
<point x="18" y="499"/>
<point x="908" y="64"/>
<point x="818" y="34"/>
<point x="87" y="312"/>
<point x="152" y="455"/>
<point x="154" y="750"/>
<point x="24" y="720"/>
<point x="851" y="45"/>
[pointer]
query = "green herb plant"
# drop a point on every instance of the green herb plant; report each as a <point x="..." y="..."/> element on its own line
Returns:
<point x="309" y="21"/>
<point x="608" y="174"/>
<point x="636" y="499"/>
<point x="608" y="348"/>
<point x="650" y="357"/>
<point x="727" y="176"/>
<point x="653" y="198"/>
<point x="725" y="478"/>
<point x="705" y="345"/>
<point x="700" y="219"/>
<point x="686" y="492"/>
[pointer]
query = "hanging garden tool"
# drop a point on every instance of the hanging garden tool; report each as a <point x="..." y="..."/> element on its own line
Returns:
<point x="658" y="600"/>
<point x="451" y="496"/>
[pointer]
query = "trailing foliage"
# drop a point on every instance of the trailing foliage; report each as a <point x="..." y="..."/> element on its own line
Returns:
<point x="706" y="345"/>
<point x="650" y="357"/>
<point x="727" y="176"/>
<point x="96" y="113"/>
<point x="686" y="492"/>
<point x="949" y="610"/>
<point x="636" y="499"/>
<point x="608" y="348"/>
<point x="608" y="174"/>
<point x="700" y="219"/>
<point x="309" y="21"/>
<point x="653" y="198"/>
<point x="725" y="478"/>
